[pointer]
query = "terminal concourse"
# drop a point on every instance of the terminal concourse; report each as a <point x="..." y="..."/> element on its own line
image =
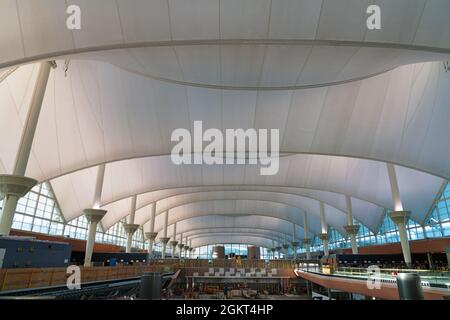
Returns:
<point x="225" y="149"/>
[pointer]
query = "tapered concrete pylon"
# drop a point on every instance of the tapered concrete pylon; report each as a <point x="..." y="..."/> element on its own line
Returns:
<point x="186" y="249"/>
<point x="12" y="188"/>
<point x="174" y="247"/>
<point x="351" y="228"/>
<point x="15" y="186"/>
<point x="273" y="252"/>
<point x="130" y="229"/>
<point x="93" y="216"/>
<point x="150" y="236"/>
<point x="306" y="243"/>
<point x="285" y="249"/>
<point x="401" y="220"/>
<point x="164" y="242"/>
<point x="294" y="245"/>
<point x="324" y="238"/>
<point x="352" y="231"/>
<point x="180" y="247"/>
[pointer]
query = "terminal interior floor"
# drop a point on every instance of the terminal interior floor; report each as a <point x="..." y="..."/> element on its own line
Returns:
<point x="212" y="149"/>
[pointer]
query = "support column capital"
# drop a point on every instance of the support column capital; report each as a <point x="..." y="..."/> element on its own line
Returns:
<point x="272" y="249"/>
<point x="186" y="247"/>
<point x="130" y="228"/>
<point x="400" y="217"/>
<point x="306" y="241"/>
<point x="278" y="248"/>
<point x="191" y="249"/>
<point x="151" y="235"/>
<point x="164" y="240"/>
<point x="19" y="186"/>
<point x="352" y="230"/>
<point x="295" y="244"/>
<point x="323" y="236"/>
<point x="285" y="246"/>
<point x="180" y="246"/>
<point x="94" y="215"/>
<point x="173" y="243"/>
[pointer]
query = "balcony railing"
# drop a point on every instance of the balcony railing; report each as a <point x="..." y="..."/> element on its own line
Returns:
<point x="429" y="278"/>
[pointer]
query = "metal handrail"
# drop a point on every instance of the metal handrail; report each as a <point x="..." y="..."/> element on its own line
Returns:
<point x="431" y="278"/>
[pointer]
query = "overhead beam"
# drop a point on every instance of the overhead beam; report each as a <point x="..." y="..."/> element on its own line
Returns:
<point x="224" y="42"/>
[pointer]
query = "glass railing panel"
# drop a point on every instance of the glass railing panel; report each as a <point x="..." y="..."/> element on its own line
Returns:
<point x="431" y="278"/>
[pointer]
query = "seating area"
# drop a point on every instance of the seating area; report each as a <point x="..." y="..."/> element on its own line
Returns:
<point x="16" y="279"/>
<point x="232" y="263"/>
<point x="237" y="272"/>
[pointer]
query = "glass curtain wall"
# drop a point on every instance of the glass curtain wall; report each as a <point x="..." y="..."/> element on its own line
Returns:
<point x="38" y="211"/>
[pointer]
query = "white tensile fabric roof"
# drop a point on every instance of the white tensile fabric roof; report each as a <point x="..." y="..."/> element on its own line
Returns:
<point x="33" y="29"/>
<point x="345" y="99"/>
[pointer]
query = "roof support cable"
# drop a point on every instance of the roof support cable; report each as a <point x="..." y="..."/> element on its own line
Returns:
<point x="7" y="73"/>
<point x="66" y="66"/>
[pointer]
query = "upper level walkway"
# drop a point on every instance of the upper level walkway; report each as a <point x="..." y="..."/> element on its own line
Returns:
<point x="373" y="282"/>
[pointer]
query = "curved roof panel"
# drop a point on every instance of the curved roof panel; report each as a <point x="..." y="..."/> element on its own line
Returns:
<point x="114" y="24"/>
<point x="236" y="222"/>
<point x="99" y="113"/>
